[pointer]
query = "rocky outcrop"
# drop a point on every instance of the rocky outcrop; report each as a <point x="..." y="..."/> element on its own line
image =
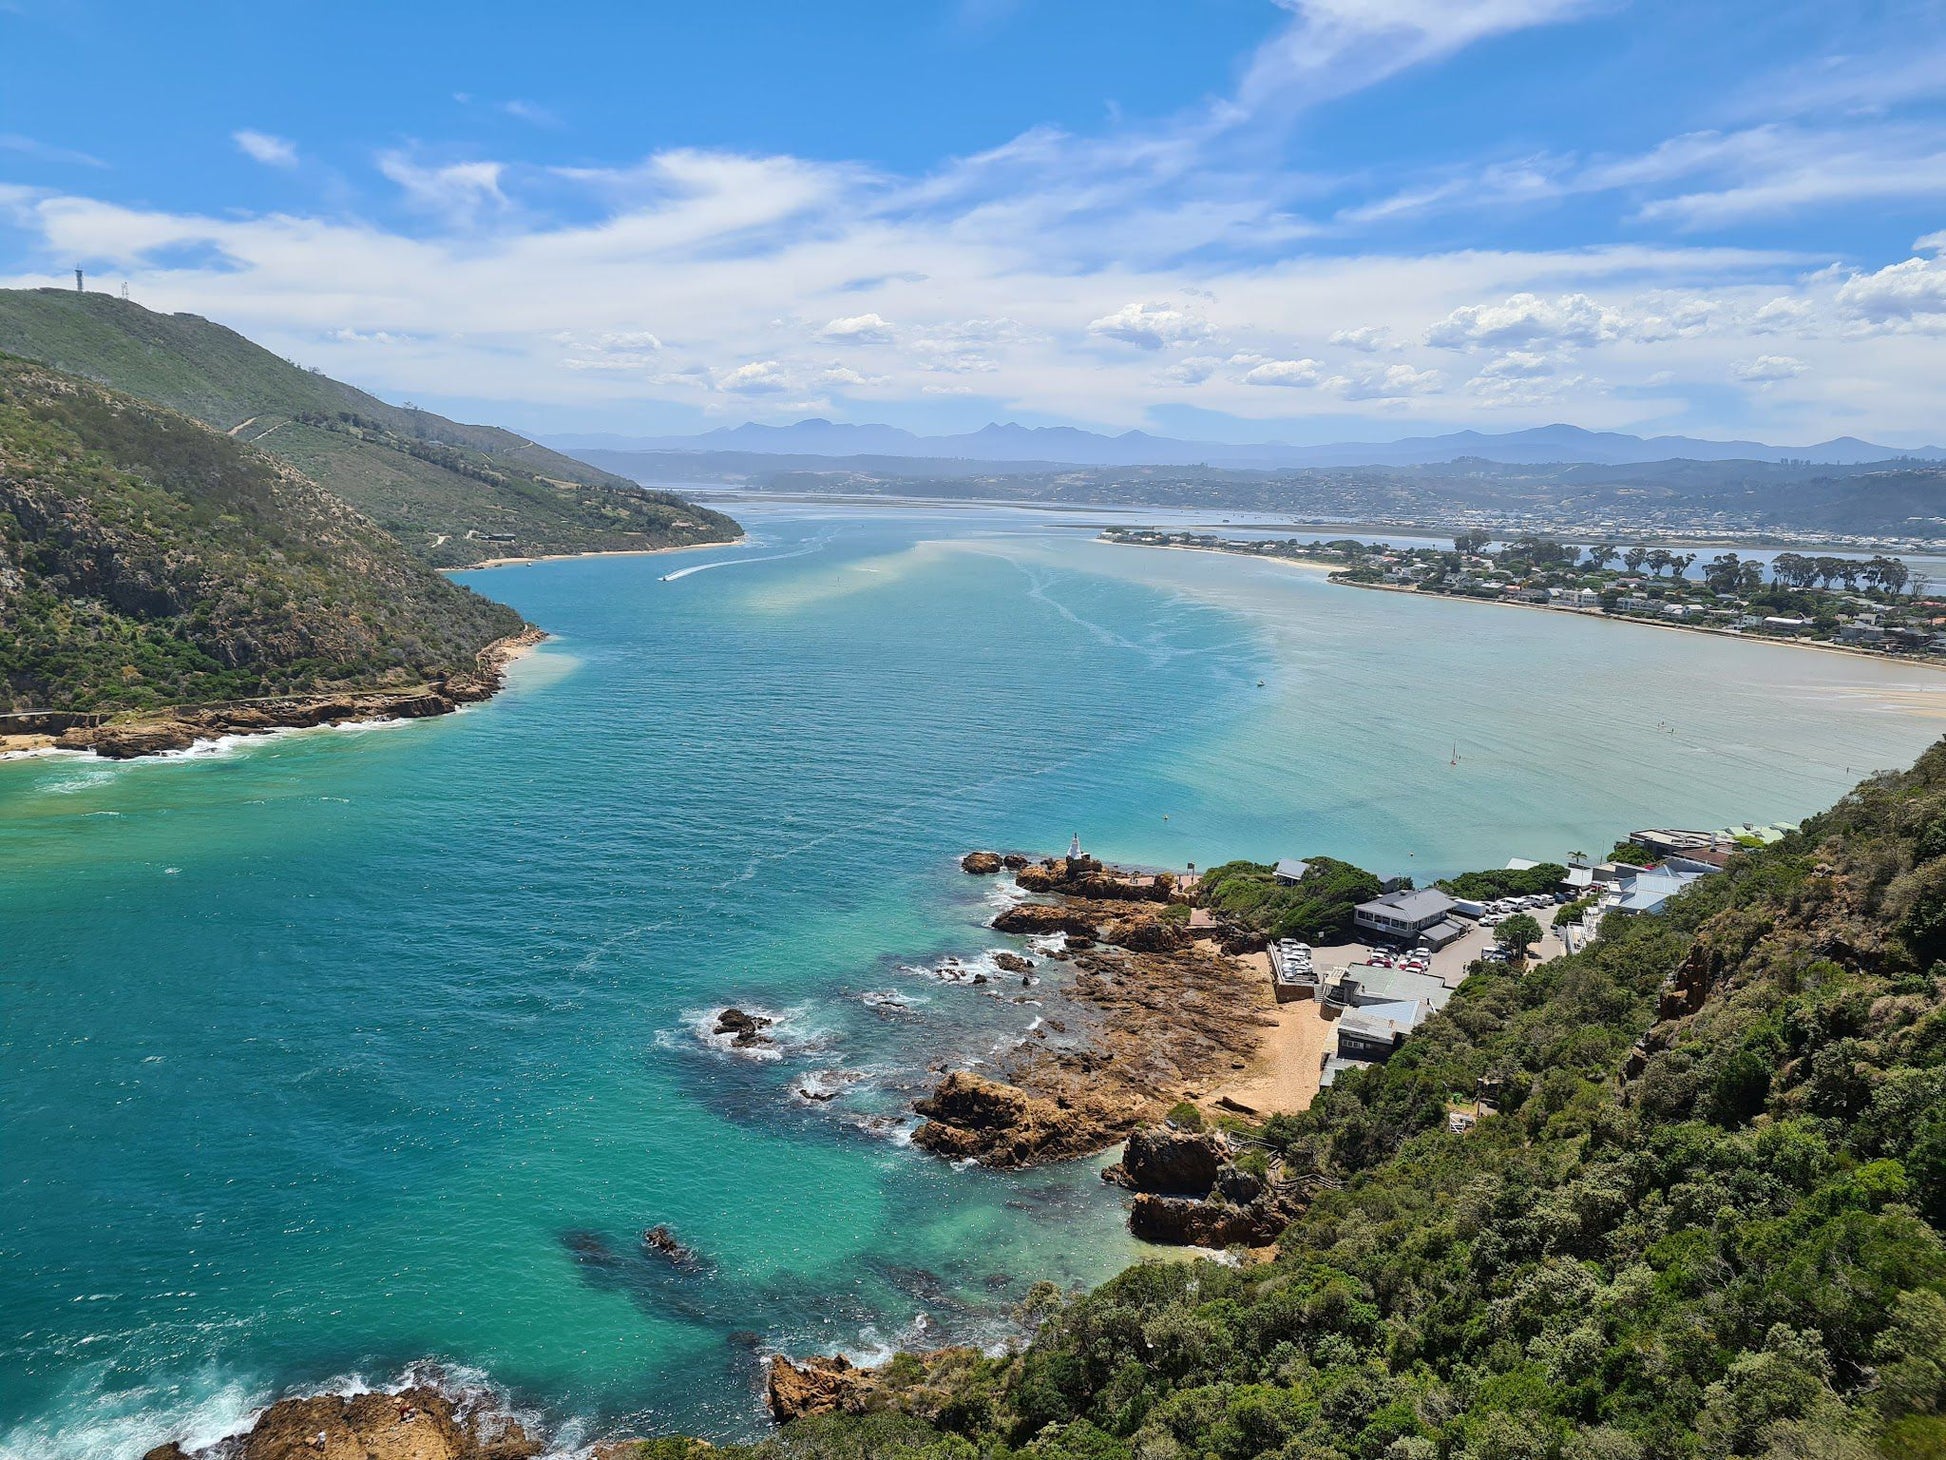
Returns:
<point x="420" y="1423"/>
<point x="1001" y="1125"/>
<point x="1171" y="1162"/>
<point x="179" y="729"/>
<point x="980" y="864"/>
<point x="746" y="1031"/>
<point x="1037" y="919"/>
<point x="1189" y="1222"/>
<point x="836" y="1385"/>
<point x="1160" y="1021"/>
<point x="1146" y="934"/>
<point x="1012" y="963"/>
<point x="1085" y="877"/>
<point x="819" y="1385"/>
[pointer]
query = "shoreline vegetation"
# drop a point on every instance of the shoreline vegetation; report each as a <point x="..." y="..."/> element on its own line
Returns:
<point x="164" y="730"/>
<point x="1548" y="576"/>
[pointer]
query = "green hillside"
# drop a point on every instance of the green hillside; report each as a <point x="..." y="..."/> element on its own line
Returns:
<point x="146" y="560"/>
<point x="453" y="494"/>
<point x="1706" y="1221"/>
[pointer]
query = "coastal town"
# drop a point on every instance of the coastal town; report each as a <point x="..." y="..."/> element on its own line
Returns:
<point x="1216" y="1000"/>
<point x="1874" y="605"/>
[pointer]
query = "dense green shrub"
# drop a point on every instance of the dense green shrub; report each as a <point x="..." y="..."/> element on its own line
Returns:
<point x="1317" y="909"/>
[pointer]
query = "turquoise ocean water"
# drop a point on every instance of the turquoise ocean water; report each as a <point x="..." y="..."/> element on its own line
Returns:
<point x="331" y="1052"/>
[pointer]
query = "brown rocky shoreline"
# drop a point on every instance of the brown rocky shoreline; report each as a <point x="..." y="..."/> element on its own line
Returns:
<point x="1162" y="1016"/>
<point x="180" y="728"/>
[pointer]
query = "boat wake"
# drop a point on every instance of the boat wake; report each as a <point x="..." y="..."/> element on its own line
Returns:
<point x="803" y="552"/>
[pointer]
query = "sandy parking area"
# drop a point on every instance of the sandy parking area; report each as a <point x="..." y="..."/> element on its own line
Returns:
<point x="1284" y="1074"/>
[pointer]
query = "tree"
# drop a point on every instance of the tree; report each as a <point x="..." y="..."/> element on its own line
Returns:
<point x="1680" y="562"/>
<point x="1470" y="541"/>
<point x="1750" y="578"/>
<point x="1601" y="555"/>
<point x="1659" y="558"/>
<point x="1517" y="934"/>
<point x="1793" y="570"/>
<point x="1634" y="558"/>
<point x="1722" y="574"/>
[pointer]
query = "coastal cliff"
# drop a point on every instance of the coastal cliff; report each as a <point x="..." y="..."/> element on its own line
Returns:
<point x="147" y="561"/>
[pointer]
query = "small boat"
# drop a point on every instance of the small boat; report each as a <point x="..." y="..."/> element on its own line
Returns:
<point x="1455" y="759"/>
<point x="1260" y="684"/>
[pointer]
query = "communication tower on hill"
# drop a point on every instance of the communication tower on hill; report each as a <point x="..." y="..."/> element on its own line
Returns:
<point x="79" y="287"/>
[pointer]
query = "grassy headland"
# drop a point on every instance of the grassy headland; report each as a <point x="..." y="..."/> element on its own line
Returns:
<point x="453" y="494"/>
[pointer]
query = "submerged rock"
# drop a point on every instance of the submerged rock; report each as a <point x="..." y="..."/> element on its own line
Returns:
<point x="660" y="1241"/>
<point x="1012" y="963"/>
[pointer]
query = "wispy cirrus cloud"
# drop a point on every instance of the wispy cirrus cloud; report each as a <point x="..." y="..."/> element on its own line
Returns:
<point x="263" y="147"/>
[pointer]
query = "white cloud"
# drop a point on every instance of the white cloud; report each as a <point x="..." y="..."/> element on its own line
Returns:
<point x="1193" y="370"/>
<point x="1516" y="365"/>
<point x="530" y="112"/>
<point x="759" y="377"/>
<point x="1150" y="326"/>
<point x="1768" y="368"/>
<point x="45" y="151"/>
<point x="1366" y="337"/>
<point x="1900" y="294"/>
<point x="262" y="147"/>
<point x="1524" y="319"/>
<point x="1394" y="382"/>
<point x="1285" y="372"/>
<point x="863" y="329"/>
<point x="457" y="190"/>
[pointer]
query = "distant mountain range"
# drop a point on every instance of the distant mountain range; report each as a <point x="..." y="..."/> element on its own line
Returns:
<point x="1541" y="445"/>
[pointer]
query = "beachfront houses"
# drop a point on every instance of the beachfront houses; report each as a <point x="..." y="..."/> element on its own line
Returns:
<point x="1423" y="915"/>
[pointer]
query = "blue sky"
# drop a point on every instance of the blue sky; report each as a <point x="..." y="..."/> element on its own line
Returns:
<point x="1243" y="219"/>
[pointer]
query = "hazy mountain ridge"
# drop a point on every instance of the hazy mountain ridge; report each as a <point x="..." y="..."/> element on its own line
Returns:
<point x="1540" y="445"/>
<point x="453" y="493"/>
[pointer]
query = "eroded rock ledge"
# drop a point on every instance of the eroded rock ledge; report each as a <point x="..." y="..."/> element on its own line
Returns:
<point x="420" y="1423"/>
<point x="1163" y="1015"/>
<point x="179" y="729"/>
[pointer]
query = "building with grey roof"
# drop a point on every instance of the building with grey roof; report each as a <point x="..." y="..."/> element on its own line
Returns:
<point x="1403" y="915"/>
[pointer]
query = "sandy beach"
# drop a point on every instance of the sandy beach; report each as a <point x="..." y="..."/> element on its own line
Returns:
<point x="688" y="547"/>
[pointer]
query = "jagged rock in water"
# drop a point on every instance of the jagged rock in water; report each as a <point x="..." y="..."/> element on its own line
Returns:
<point x="980" y="864"/>
<point x="745" y="1030"/>
<point x="1012" y="963"/>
